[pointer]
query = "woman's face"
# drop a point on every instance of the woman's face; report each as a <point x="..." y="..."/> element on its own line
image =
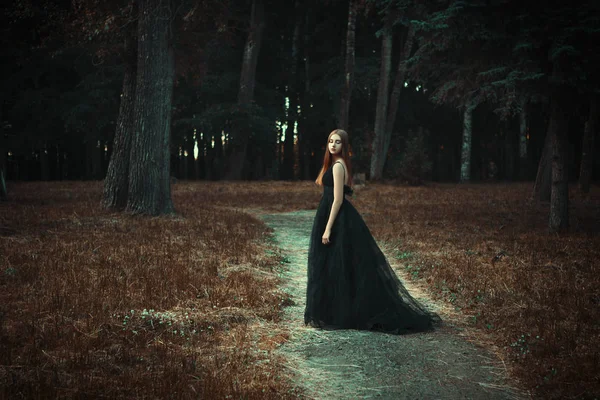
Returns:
<point x="335" y="144"/>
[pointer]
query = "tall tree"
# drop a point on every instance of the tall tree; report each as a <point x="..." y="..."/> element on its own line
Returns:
<point x="559" y="197"/>
<point x="305" y="94"/>
<point x="467" y="140"/>
<point x="241" y="137"/>
<point x="3" y="152"/>
<point x="399" y="81"/>
<point x="346" y="94"/>
<point x="542" y="185"/>
<point x="292" y="95"/>
<point x="384" y="123"/>
<point x="523" y="132"/>
<point x="149" y="164"/>
<point x="377" y="155"/>
<point x="587" y="145"/>
<point x="116" y="183"/>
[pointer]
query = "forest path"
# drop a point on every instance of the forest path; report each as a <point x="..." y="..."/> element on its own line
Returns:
<point x="349" y="364"/>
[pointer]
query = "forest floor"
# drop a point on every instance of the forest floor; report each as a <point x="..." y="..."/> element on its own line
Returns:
<point x="208" y="302"/>
<point x="345" y="364"/>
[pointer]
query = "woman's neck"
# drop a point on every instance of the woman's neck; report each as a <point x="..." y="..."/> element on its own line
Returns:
<point x="336" y="158"/>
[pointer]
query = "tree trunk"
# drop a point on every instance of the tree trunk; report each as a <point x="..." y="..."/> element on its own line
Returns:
<point x="149" y="177"/>
<point x="509" y="161"/>
<point x="465" y="154"/>
<point x="189" y="160"/>
<point x="292" y="94"/>
<point x="44" y="164"/>
<point x="559" y="201"/>
<point x="523" y="164"/>
<point x="587" y="146"/>
<point x="116" y="183"/>
<point x="3" y="152"/>
<point x="241" y="136"/>
<point x="96" y="159"/>
<point x="377" y="156"/>
<point x="346" y="94"/>
<point x="398" y="85"/>
<point x="542" y="188"/>
<point x="303" y="137"/>
<point x="287" y="165"/>
<point x="57" y="166"/>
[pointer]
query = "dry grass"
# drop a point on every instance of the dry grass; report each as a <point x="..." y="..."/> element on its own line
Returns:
<point x="100" y="304"/>
<point x="487" y="251"/>
<point x="71" y="274"/>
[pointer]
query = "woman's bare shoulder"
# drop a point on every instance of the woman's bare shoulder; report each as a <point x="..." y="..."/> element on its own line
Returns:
<point x="339" y="169"/>
<point x="341" y="162"/>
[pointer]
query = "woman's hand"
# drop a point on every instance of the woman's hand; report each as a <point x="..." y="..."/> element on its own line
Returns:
<point x="326" y="235"/>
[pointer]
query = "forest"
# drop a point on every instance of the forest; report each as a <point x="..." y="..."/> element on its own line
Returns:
<point x="127" y="108"/>
<point x="449" y="92"/>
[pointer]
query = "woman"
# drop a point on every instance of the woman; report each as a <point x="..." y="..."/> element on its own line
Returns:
<point x="350" y="283"/>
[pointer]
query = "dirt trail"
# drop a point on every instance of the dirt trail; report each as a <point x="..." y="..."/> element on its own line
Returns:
<point x="349" y="364"/>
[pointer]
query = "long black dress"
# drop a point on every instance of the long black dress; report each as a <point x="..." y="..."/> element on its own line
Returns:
<point x="350" y="283"/>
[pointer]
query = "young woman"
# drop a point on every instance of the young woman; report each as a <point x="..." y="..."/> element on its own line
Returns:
<point x="350" y="283"/>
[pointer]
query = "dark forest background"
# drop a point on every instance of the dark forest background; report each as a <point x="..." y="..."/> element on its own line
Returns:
<point x="120" y="99"/>
<point x="442" y="91"/>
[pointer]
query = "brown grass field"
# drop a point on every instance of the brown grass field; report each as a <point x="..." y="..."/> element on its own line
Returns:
<point x="102" y="304"/>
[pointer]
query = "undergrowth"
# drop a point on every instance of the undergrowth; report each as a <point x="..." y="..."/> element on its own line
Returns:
<point x="99" y="303"/>
<point x="486" y="250"/>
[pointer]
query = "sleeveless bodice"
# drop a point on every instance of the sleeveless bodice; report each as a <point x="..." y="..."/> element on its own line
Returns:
<point x="328" y="184"/>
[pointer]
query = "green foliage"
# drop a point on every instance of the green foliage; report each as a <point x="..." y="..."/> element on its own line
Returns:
<point x="494" y="50"/>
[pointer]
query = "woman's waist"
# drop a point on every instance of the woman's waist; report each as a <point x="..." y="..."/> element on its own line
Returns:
<point x="328" y="190"/>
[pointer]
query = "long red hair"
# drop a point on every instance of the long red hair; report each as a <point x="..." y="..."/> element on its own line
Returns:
<point x="328" y="159"/>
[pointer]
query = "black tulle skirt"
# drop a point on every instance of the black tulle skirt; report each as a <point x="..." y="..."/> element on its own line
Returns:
<point x="350" y="283"/>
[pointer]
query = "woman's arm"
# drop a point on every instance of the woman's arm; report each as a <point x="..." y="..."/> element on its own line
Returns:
<point x="338" y="199"/>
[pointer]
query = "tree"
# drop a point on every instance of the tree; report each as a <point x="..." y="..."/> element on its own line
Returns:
<point x="467" y="139"/>
<point x="587" y="145"/>
<point x="116" y="183"/>
<point x="387" y="104"/>
<point x="377" y="156"/>
<point x="559" y="198"/>
<point x="3" y="152"/>
<point x="346" y="94"/>
<point x="292" y="95"/>
<point x="542" y="185"/>
<point x="523" y="132"/>
<point x="399" y="81"/>
<point x="513" y="51"/>
<point x="149" y="190"/>
<point x="241" y="135"/>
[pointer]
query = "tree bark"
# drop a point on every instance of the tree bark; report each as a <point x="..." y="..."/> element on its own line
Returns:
<point x="465" y="154"/>
<point x="44" y="164"/>
<point x="509" y="161"/>
<point x="398" y="86"/>
<point x="3" y="153"/>
<point x="542" y="187"/>
<point x="523" y="164"/>
<point x="305" y="98"/>
<point x="116" y="183"/>
<point x="95" y="159"/>
<point x="587" y="146"/>
<point x="149" y="177"/>
<point x="346" y="94"/>
<point x="559" y="200"/>
<point x="292" y="117"/>
<point x="377" y="156"/>
<point x="189" y="160"/>
<point x="241" y="136"/>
